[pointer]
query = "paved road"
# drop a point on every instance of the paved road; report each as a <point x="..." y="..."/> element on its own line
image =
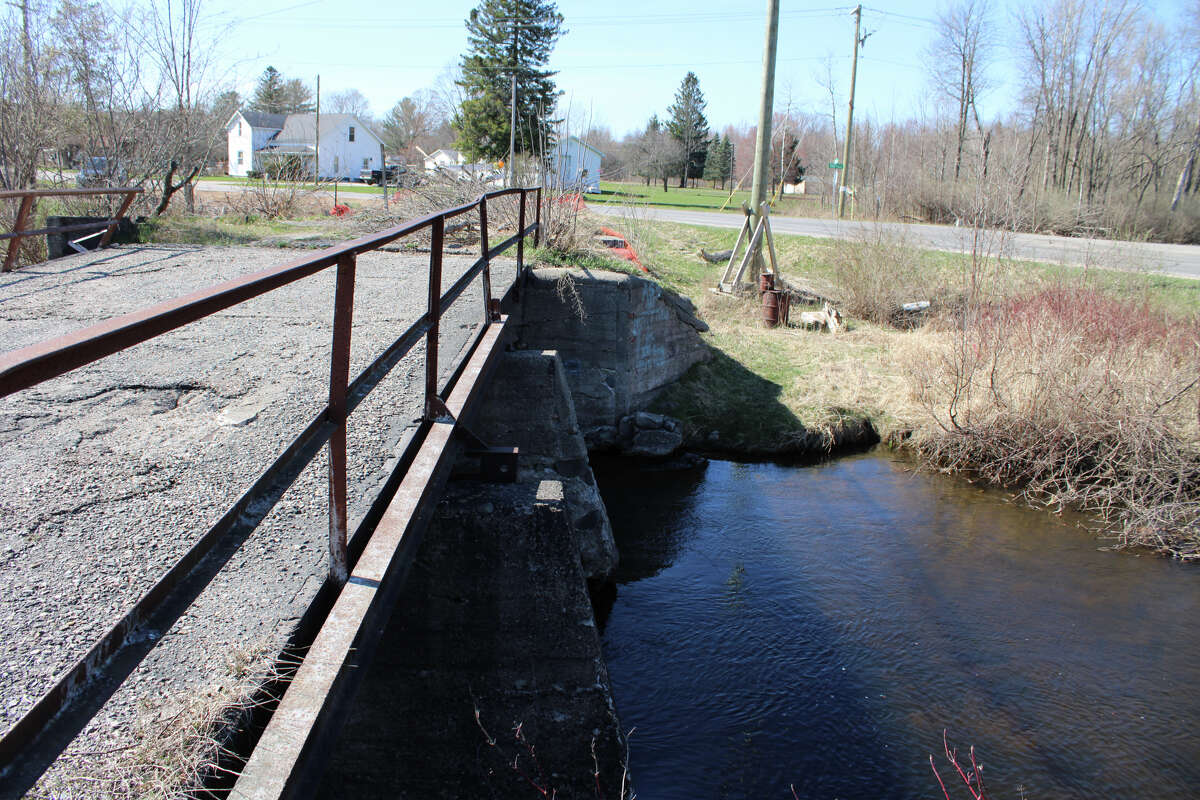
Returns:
<point x="1176" y="259"/>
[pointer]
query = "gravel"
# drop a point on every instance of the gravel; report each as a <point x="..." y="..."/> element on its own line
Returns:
<point x="108" y="474"/>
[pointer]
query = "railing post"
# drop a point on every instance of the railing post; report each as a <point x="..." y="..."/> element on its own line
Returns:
<point x="339" y="377"/>
<point x="112" y="227"/>
<point x="537" y="232"/>
<point x="521" y="234"/>
<point x="437" y="234"/>
<point x="14" y="244"/>
<point x="487" y="262"/>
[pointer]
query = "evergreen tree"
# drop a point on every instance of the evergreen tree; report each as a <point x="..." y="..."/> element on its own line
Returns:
<point x="274" y="95"/>
<point x="726" y="161"/>
<point x="506" y="38"/>
<point x="268" y="95"/>
<point x="689" y="127"/>
<point x="712" y="162"/>
<point x="297" y="98"/>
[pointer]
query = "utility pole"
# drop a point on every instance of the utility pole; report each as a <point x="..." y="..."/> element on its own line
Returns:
<point x="762" y="143"/>
<point x="841" y="208"/>
<point x="512" y="124"/>
<point x="317" y="146"/>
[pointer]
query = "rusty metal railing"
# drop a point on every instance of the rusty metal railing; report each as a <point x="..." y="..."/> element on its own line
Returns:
<point x="32" y="743"/>
<point x="27" y="196"/>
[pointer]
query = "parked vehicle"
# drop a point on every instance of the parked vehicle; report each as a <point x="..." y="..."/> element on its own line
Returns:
<point x="373" y="176"/>
<point x="99" y="171"/>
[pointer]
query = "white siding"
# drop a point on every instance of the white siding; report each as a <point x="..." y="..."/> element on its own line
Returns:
<point x="343" y="158"/>
<point x="242" y="142"/>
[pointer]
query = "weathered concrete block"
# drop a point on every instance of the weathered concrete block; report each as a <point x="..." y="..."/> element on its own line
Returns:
<point x="529" y="404"/>
<point x="622" y="338"/>
<point x="493" y="630"/>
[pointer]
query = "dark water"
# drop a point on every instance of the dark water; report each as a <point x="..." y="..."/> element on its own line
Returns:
<point x="821" y="626"/>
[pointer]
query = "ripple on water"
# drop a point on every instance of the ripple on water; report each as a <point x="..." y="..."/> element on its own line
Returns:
<point x="820" y="626"/>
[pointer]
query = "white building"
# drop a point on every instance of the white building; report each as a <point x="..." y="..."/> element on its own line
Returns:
<point x="347" y="146"/>
<point x="575" y="164"/>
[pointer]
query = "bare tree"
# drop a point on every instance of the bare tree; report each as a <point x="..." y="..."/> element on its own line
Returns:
<point x="959" y="56"/>
<point x="29" y="85"/>
<point x="348" y="101"/>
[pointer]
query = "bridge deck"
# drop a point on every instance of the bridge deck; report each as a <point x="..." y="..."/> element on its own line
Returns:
<point x="109" y="473"/>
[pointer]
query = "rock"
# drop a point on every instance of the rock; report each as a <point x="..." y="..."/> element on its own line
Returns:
<point x="602" y="437"/>
<point x="647" y="421"/>
<point x="654" y="443"/>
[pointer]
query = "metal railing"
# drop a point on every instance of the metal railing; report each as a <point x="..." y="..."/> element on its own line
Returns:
<point x="27" y="196"/>
<point x="30" y="745"/>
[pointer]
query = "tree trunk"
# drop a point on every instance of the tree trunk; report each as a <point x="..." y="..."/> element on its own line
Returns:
<point x="1185" y="175"/>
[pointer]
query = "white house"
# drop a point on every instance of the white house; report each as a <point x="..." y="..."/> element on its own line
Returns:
<point x="248" y="132"/>
<point x="443" y="159"/>
<point x="347" y="146"/>
<point x="575" y="164"/>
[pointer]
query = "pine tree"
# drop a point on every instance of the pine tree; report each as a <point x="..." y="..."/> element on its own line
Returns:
<point x="726" y="161"/>
<point x="689" y="127"/>
<point x="268" y="95"/>
<point x="508" y="37"/>
<point x="712" y="162"/>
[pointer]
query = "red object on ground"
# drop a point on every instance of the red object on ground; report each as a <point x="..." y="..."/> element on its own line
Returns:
<point x="574" y="200"/>
<point x="339" y="210"/>
<point x="625" y="252"/>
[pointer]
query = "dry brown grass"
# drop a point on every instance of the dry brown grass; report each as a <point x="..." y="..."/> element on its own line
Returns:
<point x="1078" y="400"/>
<point x="178" y="743"/>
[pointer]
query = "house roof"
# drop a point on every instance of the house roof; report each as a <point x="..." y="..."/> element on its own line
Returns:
<point x="261" y="119"/>
<point x="301" y="128"/>
<point x="454" y="155"/>
<point x="582" y="143"/>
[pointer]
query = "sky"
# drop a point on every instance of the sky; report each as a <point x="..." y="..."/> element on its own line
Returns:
<point x="622" y="60"/>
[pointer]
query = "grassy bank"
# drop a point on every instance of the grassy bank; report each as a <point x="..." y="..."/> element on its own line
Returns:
<point x="1076" y="387"/>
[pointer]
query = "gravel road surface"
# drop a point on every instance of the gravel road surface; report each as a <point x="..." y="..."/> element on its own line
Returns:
<point x="109" y="473"/>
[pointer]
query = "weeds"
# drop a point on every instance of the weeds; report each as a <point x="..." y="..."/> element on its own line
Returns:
<point x="179" y="745"/>
<point x="1077" y="399"/>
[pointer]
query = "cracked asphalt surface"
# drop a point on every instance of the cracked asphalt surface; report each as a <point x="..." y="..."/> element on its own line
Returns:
<point x="109" y="473"/>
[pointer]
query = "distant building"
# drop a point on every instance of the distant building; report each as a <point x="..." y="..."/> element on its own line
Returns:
<point x="444" y="159"/>
<point x="347" y="146"/>
<point x="575" y="164"/>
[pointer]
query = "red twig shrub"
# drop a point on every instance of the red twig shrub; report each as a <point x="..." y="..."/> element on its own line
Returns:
<point x="1078" y="399"/>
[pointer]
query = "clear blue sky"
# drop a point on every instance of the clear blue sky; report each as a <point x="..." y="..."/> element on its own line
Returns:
<point x="621" y="60"/>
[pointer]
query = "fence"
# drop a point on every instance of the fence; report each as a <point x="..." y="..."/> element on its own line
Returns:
<point x="35" y="740"/>
<point x="27" y="196"/>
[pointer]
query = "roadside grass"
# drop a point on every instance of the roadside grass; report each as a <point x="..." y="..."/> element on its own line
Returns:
<point x="325" y="186"/>
<point x="817" y="379"/>
<point x="701" y="198"/>
<point x="1075" y="387"/>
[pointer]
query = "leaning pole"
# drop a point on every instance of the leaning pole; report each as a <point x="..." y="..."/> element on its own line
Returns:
<point x="762" y="142"/>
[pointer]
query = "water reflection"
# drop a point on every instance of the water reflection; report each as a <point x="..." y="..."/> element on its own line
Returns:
<point x="820" y="626"/>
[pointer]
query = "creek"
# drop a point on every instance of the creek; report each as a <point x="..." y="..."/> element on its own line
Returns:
<point x="820" y="626"/>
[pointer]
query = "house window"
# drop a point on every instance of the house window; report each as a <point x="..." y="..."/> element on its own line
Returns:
<point x="240" y="158"/>
<point x="366" y="163"/>
<point x="352" y="133"/>
<point x="239" y="127"/>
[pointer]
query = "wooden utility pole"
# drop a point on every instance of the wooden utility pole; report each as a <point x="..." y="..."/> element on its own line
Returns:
<point x="512" y="124"/>
<point x="762" y="142"/>
<point x="841" y="206"/>
<point x="317" y="145"/>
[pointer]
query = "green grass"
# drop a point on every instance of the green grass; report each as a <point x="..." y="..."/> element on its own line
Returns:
<point x="700" y="198"/>
<point x="349" y="187"/>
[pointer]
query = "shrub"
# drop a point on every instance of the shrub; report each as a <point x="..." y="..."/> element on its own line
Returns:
<point x="1079" y="399"/>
